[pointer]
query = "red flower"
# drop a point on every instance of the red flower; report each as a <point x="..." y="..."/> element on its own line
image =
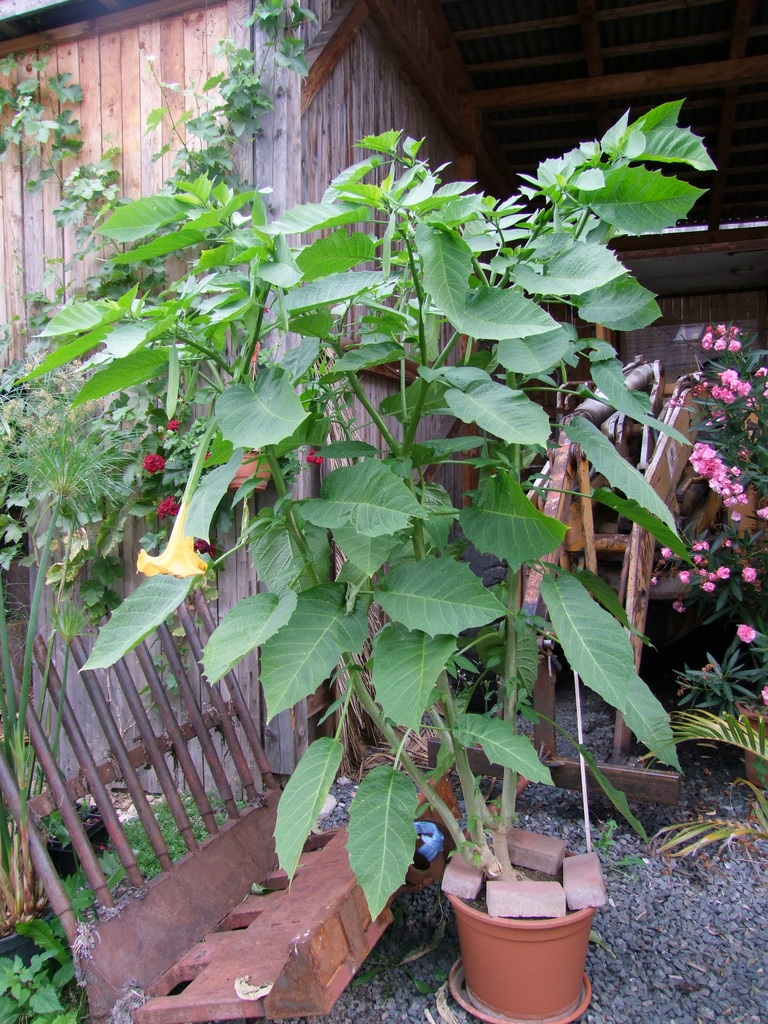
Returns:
<point x="202" y="547"/>
<point x="168" y="507"/>
<point x="173" y="424"/>
<point x="154" y="463"/>
<point x="314" y="458"/>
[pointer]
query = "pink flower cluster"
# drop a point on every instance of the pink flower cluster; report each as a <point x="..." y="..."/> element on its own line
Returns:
<point x="722" y="479"/>
<point x="731" y="387"/>
<point x="721" y="338"/>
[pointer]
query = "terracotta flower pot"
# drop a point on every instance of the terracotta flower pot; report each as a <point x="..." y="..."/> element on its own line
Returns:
<point x="522" y="970"/>
<point x="250" y="466"/>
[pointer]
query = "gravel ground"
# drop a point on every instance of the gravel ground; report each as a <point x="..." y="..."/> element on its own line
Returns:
<point x="680" y="942"/>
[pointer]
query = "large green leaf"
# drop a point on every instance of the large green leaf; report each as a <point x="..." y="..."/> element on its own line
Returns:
<point x="303" y="798"/>
<point x="327" y="291"/>
<point x="438" y="596"/>
<point x="637" y="513"/>
<point x="161" y="246"/>
<point x="142" y="217"/>
<point x="249" y="623"/>
<point x="622" y="305"/>
<point x="80" y="316"/>
<point x="278" y="562"/>
<point x="510" y="415"/>
<point x="319" y="216"/>
<point x="366" y="496"/>
<point x="615" y="469"/>
<point x="483" y="312"/>
<point x="139" y="614"/>
<point x="382" y="839"/>
<point x="64" y="354"/>
<point x="534" y="355"/>
<point x="597" y="648"/>
<point x="210" y="491"/>
<point x="267" y="411"/>
<point x="505" y="523"/>
<point x="637" y="201"/>
<point x="124" y="373"/>
<point x="363" y="358"/>
<point x="406" y="665"/>
<point x="503" y="745"/>
<point x="367" y="553"/>
<point x="611" y="382"/>
<point x="306" y="650"/>
<point x="576" y="270"/>
<point x="668" y="143"/>
<point x="335" y="254"/>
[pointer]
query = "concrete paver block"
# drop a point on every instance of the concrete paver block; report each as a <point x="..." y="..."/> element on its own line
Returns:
<point x="525" y="899"/>
<point x="461" y="879"/>
<point x="534" y="851"/>
<point x="583" y="881"/>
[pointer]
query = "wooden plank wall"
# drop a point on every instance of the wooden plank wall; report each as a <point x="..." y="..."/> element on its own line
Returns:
<point x="747" y="309"/>
<point x="120" y="88"/>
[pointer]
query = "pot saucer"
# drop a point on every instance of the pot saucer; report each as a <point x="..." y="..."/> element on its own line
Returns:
<point x="461" y="994"/>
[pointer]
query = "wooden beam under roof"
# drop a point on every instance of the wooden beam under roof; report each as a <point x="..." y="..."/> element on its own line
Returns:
<point x="20" y="8"/>
<point x="692" y="243"/>
<point x="742" y="18"/>
<point x="126" y="17"/>
<point x="569" y="20"/>
<point x="715" y="74"/>
<point x="445" y="106"/>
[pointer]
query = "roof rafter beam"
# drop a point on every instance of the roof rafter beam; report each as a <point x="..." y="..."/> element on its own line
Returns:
<point x="742" y="18"/>
<point x="717" y="74"/>
<point x="446" y="106"/>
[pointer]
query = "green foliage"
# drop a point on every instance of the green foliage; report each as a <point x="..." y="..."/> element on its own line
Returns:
<point x="43" y="991"/>
<point x="424" y="265"/>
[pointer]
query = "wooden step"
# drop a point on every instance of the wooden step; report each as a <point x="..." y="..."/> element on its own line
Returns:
<point x="306" y="942"/>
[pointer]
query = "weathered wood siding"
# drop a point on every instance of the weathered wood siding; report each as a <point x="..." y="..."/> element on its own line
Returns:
<point x="747" y="309"/>
<point x="363" y="94"/>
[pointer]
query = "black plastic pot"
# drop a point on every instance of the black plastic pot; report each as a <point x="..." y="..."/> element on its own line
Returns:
<point x="64" y="857"/>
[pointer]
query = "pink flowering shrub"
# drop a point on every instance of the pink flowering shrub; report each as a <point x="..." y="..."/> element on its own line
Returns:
<point x="730" y="561"/>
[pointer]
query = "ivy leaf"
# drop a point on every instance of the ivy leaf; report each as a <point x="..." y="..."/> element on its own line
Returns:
<point x="406" y="665"/>
<point x="303" y="798"/>
<point x="505" y="523"/>
<point x="438" y="596"/>
<point x="244" y="628"/>
<point x="138" y="616"/>
<point x="306" y="650"/>
<point x="382" y="839"/>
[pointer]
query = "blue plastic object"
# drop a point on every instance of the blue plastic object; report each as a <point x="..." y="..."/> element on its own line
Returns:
<point x="431" y="839"/>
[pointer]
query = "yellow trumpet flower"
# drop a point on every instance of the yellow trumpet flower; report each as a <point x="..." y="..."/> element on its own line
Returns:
<point x="179" y="558"/>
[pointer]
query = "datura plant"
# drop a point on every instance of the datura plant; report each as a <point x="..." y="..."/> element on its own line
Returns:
<point x="459" y="295"/>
